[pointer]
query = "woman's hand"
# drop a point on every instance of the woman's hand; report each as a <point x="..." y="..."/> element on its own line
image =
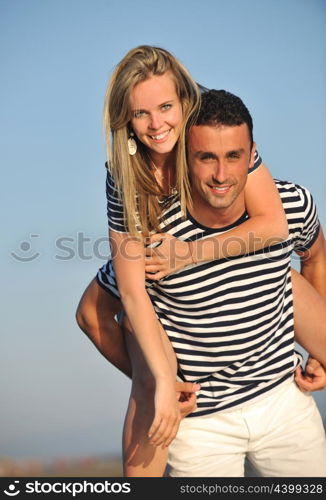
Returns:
<point x="165" y="427"/>
<point x="167" y="414"/>
<point x="172" y="254"/>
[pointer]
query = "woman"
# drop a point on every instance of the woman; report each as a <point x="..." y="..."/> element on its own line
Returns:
<point x="150" y="101"/>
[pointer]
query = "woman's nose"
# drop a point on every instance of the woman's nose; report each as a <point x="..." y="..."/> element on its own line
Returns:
<point x="155" y="121"/>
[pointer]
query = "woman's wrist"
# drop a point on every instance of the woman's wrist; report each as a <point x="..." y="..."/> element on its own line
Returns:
<point x="165" y="379"/>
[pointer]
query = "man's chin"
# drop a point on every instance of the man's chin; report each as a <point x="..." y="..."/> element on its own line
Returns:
<point x="220" y="202"/>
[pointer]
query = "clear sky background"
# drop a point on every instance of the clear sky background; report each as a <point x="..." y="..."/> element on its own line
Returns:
<point x="59" y="397"/>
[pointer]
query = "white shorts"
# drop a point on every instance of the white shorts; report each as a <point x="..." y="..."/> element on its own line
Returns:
<point x="282" y="435"/>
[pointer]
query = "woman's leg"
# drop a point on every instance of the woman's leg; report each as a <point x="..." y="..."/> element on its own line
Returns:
<point x="309" y="317"/>
<point x="96" y="317"/>
<point x="139" y="456"/>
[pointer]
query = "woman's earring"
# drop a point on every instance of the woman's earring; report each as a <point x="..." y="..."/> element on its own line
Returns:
<point x="132" y="144"/>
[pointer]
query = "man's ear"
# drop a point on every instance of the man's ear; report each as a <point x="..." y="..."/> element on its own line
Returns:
<point x="252" y="155"/>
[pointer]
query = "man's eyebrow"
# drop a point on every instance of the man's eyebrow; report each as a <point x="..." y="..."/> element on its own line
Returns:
<point x="206" y="153"/>
<point x="237" y="151"/>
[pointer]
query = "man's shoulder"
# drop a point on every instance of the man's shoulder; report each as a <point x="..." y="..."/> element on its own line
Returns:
<point x="293" y="194"/>
<point x="288" y="186"/>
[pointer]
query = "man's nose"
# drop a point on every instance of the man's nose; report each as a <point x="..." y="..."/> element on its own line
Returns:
<point x="219" y="173"/>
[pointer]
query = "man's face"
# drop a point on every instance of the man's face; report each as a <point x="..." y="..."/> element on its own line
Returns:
<point x="219" y="158"/>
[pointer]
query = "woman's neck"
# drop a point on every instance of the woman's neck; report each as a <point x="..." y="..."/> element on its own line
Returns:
<point x="163" y="161"/>
<point x="164" y="171"/>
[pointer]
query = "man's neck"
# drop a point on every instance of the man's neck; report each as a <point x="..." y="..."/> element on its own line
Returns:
<point x="216" y="218"/>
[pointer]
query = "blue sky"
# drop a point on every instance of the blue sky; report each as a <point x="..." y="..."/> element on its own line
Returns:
<point x="60" y="397"/>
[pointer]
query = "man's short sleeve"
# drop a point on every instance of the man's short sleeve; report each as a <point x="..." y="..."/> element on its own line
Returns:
<point x="115" y="214"/>
<point x="257" y="163"/>
<point x="310" y="224"/>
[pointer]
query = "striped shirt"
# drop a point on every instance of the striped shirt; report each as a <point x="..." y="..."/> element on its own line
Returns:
<point x="115" y="208"/>
<point x="230" y="321"/>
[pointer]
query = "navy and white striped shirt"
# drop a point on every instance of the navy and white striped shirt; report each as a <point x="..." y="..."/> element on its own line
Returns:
<point x="230" y="321"/>
<point x="115" y="207"/>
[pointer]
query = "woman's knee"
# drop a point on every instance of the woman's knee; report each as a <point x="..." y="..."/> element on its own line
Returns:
<point x="96" y="309"/>
<point x="84" y="317"/>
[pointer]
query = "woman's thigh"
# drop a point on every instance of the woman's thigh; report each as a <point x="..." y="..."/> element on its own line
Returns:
<point x="309" y="317"/>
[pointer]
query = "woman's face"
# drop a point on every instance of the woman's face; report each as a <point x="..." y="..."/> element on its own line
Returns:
<point x="156" y="113"/>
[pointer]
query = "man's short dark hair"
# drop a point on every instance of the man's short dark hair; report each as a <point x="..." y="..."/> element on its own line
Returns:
<point x="219" y="107"/>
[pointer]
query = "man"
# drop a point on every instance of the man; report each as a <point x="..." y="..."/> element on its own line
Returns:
<point x="231" y="321"/>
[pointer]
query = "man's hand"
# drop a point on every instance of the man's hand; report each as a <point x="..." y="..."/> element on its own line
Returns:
<point x="313" y="378"/>
<point x="186" y="397"/>
<point x="170" y="256"/>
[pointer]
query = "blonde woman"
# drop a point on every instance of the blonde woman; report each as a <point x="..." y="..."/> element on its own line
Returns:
<point x="150" y="102"/>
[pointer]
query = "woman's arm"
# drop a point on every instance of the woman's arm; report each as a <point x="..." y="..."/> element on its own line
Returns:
<point x="128" y="261"/>
<point x="265" y="226"/>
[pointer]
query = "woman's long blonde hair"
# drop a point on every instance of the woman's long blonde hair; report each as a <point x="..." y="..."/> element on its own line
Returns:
<point x="133" y="175"/>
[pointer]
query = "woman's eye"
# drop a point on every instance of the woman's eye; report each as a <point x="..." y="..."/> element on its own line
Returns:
<point x="165" y="107"/>
<point x="139" y="113"/>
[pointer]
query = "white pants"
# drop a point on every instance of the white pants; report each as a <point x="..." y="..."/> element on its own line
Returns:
<point x="282" y="435"/>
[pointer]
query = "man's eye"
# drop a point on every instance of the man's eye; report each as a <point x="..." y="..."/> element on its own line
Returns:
<point x="207" y="157"/>
<point x="234" y="156"/>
